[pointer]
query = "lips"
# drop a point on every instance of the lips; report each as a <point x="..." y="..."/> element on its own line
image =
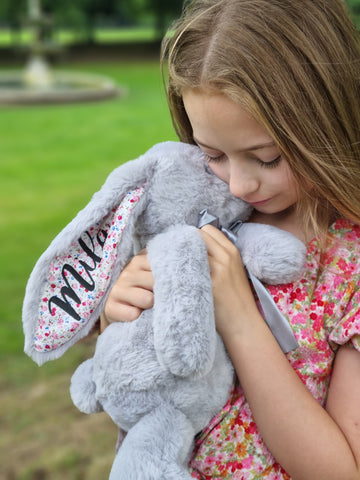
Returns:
<point x="261" y="202"/>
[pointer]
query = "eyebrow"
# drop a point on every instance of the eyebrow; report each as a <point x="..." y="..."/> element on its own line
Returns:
<point x="248" y="149"/>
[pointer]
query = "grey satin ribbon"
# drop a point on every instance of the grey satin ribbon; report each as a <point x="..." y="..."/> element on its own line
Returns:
<point x="274" y="318"/>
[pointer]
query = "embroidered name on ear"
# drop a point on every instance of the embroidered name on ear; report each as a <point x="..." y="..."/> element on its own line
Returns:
<point x="79" y="277"/>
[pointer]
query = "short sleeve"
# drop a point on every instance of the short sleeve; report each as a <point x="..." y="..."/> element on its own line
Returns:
<point x="347" y="330"/>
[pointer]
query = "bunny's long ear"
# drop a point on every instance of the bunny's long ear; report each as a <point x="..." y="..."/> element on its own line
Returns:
<point x="68" y="286"/>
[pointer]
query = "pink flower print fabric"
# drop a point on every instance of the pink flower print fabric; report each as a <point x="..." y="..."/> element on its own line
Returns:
<point x="78" y="279"/>
<point x="323" y="309"/>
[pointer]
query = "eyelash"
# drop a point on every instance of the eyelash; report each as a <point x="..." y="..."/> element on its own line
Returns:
<point x="214" y="159"/>
<point x="274" y="163"/>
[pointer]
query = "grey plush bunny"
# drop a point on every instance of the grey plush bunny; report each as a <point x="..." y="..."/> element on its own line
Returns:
<point x="164" y="376"/>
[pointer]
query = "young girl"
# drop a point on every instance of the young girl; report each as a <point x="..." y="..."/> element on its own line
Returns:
<point x="270" y="91"/>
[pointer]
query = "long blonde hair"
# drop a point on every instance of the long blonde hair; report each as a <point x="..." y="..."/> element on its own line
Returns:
<point x="295" y="66"/>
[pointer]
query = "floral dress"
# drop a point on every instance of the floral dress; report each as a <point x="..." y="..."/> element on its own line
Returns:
<point x="323" y="309"/>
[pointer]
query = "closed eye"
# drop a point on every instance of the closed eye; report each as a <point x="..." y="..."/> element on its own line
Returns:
<point x="217" y="159"/>
<point x="272" y="164"/>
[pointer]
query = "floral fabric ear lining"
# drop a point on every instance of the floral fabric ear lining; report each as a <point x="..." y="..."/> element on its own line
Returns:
<point x="79" y="277"/>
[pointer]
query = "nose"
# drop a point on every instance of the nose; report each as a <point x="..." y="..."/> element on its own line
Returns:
<point x="241" y="182"/>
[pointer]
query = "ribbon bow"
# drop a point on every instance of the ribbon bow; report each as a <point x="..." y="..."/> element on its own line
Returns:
<point x="274" y="318"/>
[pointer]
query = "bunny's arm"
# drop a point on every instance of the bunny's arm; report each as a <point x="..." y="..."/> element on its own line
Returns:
<point x="184" y="325"/>
<point x="272" y="255"/>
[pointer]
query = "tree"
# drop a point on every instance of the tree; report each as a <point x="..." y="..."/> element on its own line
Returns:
<point x="13" y="13"/>
<point x="84" y="16"/>
<point x="354" y="6"/>
<point x="164" y="12"/>
<point x="354" y="9"/>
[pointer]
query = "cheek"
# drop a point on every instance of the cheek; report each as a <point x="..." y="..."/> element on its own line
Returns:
<point x="274" y="180"/>
<point x="220" y="171"/>
<point x="290" y="187"/>
<point x="287" y="179"/>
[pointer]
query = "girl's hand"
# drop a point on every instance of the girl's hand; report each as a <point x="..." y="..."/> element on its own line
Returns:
<point x="131" y="294"/>
<point x="233" y="299"/>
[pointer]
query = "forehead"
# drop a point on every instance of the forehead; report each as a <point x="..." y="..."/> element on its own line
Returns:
<point x="214" y="116"/>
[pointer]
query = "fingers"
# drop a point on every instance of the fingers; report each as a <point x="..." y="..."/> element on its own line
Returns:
<point x="132" y="292"/>
<point x="232" y="294"/>
<point x="136" y="274"/>
<point x="139" y="262"/>
<point x="217" y="235"/>
<point x="121" y="313"/>
<point x="216" y="241"/>
<point x="224" y="258"/>
<point x="125" y="293"/>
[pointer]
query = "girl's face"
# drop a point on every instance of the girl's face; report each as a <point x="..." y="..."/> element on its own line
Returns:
<point x="241" y="152"/>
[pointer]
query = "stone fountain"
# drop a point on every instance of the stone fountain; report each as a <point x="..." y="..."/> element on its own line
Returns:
<point x="38" y="83"/>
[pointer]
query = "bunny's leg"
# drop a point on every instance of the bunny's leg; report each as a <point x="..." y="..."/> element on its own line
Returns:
<point x="158" y="447"/>
<point x="83" y="388"/>
<point x="184" y="325"/>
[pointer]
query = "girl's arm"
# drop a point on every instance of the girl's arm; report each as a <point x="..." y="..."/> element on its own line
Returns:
<point x="344" y="397"/>
<point x="307" y="440"/>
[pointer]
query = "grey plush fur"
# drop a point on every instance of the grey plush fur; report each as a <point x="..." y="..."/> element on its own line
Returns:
<point x="164" y="376"/>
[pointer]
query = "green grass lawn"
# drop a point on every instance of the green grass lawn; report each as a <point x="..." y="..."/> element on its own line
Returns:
<point x="53" y="158"/>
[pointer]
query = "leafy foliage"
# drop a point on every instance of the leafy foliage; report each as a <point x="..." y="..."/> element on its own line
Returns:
<point x="354" y="6"/>
<point x="85" y="15"/>
<point x="13" y="12"/>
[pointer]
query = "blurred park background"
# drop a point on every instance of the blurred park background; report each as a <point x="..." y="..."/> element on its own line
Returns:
<point x="52" y="159"/>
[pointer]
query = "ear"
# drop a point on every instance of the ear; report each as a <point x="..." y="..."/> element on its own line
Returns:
<point x="67" y="289"/>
